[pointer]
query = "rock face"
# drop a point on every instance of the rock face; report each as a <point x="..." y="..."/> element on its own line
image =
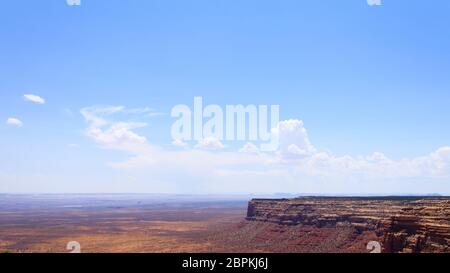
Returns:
<point x="406" y="224"/>
<point x="423" y="226"/>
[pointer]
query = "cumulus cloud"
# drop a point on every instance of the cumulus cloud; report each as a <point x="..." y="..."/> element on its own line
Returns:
<point x="118" y="135"/>
<point x="34" y="98"/>
<point x="14" y="122"/>
<point x="294" y="140"/>
<point x="210" y="143"/>
<point x="249" y="148"/>
<point x="180" y="143"/>
<point x="296" y="150"/>
<point x="296" y="163"/>
<point x="113" y="135"/>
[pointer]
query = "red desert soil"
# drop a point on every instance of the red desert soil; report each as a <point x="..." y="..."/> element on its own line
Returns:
<point x="115" y="230"/>
<point x="172" y="231"/>
<point x="264" y="237"/>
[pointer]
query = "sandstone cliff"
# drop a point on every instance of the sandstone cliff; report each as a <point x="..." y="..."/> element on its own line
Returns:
<point x="406" y="224"/>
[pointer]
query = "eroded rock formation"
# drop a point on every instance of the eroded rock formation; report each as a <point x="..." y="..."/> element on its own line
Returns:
<point x="406" y="224"/>
<point x="423" y="226"/>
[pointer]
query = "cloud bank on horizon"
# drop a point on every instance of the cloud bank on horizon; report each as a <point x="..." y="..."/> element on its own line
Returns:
<point x="210" y="163"/>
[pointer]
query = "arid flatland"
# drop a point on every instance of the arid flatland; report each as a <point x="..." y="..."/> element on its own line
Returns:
<point x="148" y="224"/>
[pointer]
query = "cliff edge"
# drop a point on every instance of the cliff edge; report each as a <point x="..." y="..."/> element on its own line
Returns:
<point x="406" y="224"/>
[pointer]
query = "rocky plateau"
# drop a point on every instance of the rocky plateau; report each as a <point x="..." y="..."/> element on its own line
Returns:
<point x="404" y="224"/>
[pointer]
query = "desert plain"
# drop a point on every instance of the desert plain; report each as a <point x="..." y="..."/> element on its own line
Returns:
<point x="190" y="224"/>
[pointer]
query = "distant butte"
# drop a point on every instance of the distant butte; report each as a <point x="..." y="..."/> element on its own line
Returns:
<point x="405" y="224"/>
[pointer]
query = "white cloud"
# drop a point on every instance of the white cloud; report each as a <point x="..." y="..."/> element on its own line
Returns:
<point x="118" y="134"/>
<point x="210" y="143"/>
<point x="145" y="111"/>
<point x="295" y="165"/>
<point x="73" y="2"/>
<point x="113" y="135"/>
<point x="14" y="122"/>
<point x="180" y="143"/>
<point x="33" y="98"/>
<point x="296" y="150"/>
<point x="294" y="140"/>
<point x="374" y="2"/>
<point x="249" y="148"/>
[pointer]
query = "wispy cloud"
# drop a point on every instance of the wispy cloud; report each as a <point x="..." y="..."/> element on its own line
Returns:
<point x="374" y="2"/>
<point x="110" y="134"/>
<point x="34" y="98"/>
<point x="14" y="122"/>
<point x="145" y="111"/>
<point x="73" y="2"/>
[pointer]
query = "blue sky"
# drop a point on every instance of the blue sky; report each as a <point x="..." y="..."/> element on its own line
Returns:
<point x="362" y="78"/>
